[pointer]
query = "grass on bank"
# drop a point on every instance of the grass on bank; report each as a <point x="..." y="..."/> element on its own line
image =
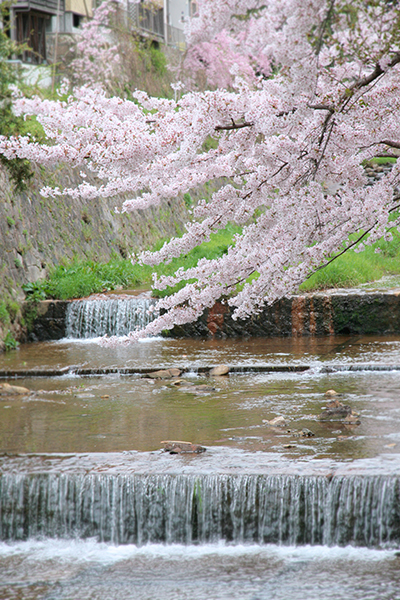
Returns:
<point x="79" y="278"/>
<point x="82" y="278"/>
<point x="355" y="268"/>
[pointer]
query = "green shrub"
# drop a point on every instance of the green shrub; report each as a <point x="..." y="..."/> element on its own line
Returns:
<point x="10" y="343"/>
<point x="158" y="60"/>
<point x="4" y="316"/>
<point x="187" y="200"/>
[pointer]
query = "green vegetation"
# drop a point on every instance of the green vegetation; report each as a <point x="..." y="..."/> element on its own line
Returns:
<point x="8" y="311"/>
<point x="187" y="200"/>
<point x="382" y="160"/>
<point x="81" y="278"/>
<point x="352" y="268"/>
<point x="4" y="316"/>
<point x="19" y="169"/>
<point x="10" y="342"/>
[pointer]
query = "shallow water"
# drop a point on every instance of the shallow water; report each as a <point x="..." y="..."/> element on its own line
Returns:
<point x="159" y="352"/>
<point x="120" y="413"/>
<point x="115" y="413"/>
<point x="126" y="417"/>
<point x="77" y="570"/>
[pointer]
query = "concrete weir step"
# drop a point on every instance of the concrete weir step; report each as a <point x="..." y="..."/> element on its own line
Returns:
<point x="333" y="312"/>
<point x="195" y="370"/>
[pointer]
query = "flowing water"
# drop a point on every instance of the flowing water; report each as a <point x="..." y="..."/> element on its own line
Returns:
<point x="105" y="315"/>
<point x="91" y="508"/>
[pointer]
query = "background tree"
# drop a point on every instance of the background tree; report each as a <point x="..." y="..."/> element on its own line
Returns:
<point x="290" y="146"/>
<point x="108" y="52"/>
<point x="19" y="169"/>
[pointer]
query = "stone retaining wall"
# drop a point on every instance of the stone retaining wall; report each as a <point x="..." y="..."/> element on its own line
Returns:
<point x="331" y="313"/>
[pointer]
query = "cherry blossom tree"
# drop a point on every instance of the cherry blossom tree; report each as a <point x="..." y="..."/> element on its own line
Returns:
<point x="289" y="146"/>
<point x="97" y="57"/>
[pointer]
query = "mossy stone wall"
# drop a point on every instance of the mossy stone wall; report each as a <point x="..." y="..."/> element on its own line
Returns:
<point x="37" y="233"/>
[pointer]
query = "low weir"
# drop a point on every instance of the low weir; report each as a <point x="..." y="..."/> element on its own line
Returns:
<point x="105" y="315"/>
<point x="338" y="312"/>
<point x="171" y="508"/>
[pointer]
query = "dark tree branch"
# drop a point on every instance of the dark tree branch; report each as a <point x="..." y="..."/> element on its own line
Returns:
<point x="324" y="27"/>
<point x="233" y="126"/>
<point x="377" y="72"/>
<point x="391" y="143"/>
<point x="322" y="107"/>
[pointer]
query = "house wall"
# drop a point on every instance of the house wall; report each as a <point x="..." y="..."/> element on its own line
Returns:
<point x="79" y="7"/>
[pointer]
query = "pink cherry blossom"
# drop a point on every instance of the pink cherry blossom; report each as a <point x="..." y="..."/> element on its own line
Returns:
<point x="288" y="154"/>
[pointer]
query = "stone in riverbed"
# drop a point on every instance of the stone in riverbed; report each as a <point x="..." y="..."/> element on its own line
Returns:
<point x="179" y="447"/>
<point x="164" y="374"/>
<point x="13" y="390"/>
<point x="202" y="388"/>
<point x="304" y="433"/>
<point x="178" y="381"/>
<point x="336" y="411"/>
<point x="276" y="422"/>
<point x="220" y="370"/>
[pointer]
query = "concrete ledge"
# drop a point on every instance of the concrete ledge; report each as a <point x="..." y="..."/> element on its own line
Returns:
<point x="342" y="312"/>
<point x="46" y="320"/>
<point x="333" y="313"/>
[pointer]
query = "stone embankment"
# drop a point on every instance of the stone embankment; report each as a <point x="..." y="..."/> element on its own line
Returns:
<point x="38" y="233"/>
<point x="337" y="312"/>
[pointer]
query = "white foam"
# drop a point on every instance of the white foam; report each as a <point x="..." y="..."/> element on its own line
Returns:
<point x="81" y="551"/>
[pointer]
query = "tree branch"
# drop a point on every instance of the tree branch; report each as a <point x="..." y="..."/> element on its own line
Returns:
<point x="391" y="144"/>
<point x="324" y="27"/>
<point x="233" y="126"/>
<point x="322" y="107"/>
<point x="377" y="72"/>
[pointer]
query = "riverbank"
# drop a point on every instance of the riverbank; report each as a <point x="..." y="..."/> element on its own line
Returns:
<point x="357" y="311"/>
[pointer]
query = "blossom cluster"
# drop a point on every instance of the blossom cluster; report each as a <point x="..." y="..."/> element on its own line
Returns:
<point x="97" y="58"/>
<point x="289" y="149"/>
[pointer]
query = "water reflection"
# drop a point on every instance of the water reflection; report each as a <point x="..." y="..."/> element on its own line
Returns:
<point x="117" y="413"/>
<point x="159" y="352"/>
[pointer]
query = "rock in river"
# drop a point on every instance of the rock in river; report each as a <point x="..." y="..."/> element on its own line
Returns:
<point x="276" y="422"/>
<point x="163" y="374"/>
<point x="220" y="370"/>
<point x="13" y="390"/>
<point x="336" y="411"/>
<point x="177" y="447"/>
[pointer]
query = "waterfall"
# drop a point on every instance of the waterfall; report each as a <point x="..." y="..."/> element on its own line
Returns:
<point x="136" y="509"/>
<point x="95" y="317"/>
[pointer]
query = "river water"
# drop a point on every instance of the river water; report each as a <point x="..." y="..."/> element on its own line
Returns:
<point x="115" y="413"/>
<point x="112" y="425"/>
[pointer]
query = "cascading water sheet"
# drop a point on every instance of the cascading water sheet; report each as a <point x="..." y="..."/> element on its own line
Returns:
<point x="105" y="315"/>
<point x="330" y="507"/>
